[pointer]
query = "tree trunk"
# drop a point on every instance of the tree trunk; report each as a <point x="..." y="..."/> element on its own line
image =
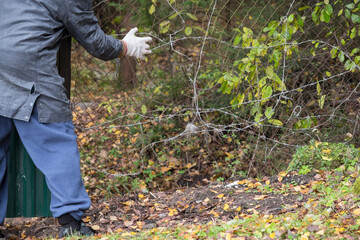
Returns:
<point x="127" y="71"/>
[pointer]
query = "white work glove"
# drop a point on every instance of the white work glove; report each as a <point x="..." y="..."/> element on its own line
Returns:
<point x="136" y="46"/>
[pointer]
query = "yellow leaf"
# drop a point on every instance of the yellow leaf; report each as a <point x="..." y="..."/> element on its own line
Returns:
<point x="189" y="165"/>
<point x="226" y="206"/>
<point x="90" y="124"/>
<point x="267" y="182"/>
<point x="356" y="212"/>
<point x="214" y="213"/>
<point x="280" y="179"/>
<point x="172" y="212"/>
<point x="152" y="9"/>
<point x="164" y="169"/>
<point x="220" y="195"/>
<point x="272" y="236"/>
<point x="87" y="219"/>
<point x="243" y="182"/>
<point x="326" y="150"/>
<point x="304" y="238"/>
<point x="238" y="209"/>
<point x="261" y="197"/>
<point x="129" y="203"/>
<point x="326" y="158"/>
<point x="282" y="174"/>
<point x="339" y="230"/>
<point x="228" y="236"/>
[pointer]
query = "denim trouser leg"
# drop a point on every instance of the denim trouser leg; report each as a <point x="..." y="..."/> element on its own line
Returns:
<point x="53" y="149"/>
<point x="6" y="125"/>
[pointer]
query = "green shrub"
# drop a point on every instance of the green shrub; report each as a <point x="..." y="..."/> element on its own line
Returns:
<point x="324" y="156"/>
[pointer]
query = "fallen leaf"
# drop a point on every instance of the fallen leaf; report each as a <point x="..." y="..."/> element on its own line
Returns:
<point x="96" y="227"/>
<point x="356" y="212"/>
<point x="128" y="223"/>
<point x="172" y="212"/>
<point x="261" y="197"/>
<point x="220" y="195"/>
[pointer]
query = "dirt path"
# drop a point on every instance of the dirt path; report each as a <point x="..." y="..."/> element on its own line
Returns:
<point x="136" y="212"/>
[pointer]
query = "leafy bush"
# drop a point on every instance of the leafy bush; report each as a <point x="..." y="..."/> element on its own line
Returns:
<point x="324" y="156"/>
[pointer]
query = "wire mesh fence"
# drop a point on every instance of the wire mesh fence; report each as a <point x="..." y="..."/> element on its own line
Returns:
<point x="232" y="88"/>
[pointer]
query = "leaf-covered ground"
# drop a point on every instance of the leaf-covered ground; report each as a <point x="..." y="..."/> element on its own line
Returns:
<point x="318" y="205"/>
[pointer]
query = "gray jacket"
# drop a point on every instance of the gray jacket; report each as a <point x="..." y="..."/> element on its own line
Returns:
<point x="30" y="33"/>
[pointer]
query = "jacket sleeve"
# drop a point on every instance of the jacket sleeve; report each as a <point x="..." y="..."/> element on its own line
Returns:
<point x="82" y="24"/>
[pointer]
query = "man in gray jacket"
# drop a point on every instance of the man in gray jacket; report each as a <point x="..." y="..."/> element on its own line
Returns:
<point x="33" y="99"/>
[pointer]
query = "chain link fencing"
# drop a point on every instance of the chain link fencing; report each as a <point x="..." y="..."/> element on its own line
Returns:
<point x="231" y="89"/>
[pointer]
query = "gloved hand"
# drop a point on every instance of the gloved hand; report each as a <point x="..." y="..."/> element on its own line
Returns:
<point x="135" y="46"/>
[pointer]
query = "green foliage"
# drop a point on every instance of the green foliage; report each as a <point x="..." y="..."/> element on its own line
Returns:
<point x="256" y="77"/>
<point x="356" y="186"/>
<point x="324" y="156"/>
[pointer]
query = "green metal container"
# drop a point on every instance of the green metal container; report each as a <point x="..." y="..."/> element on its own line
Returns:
<point x="29" y="195"/>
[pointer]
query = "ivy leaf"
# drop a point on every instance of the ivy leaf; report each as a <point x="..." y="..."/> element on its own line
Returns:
<point x="329" y="9"/>
<point x="240" y="98"/>
<point x="334" y="52"/>
<point x="152" y="9"/>
<point x="341" y="56"/>
<point x="318" y="88"/>
<point x="173" y="16"/>
<point x="322" y="101"/>
<point x="347" y="13"/>
<point x="192" y="16"/>
<point x="269" y="112"/>
<point x="291" y="18"/>
<point x="237" y="40"/>
<point x="275" y="122"/>
<point x="304" y="8"/>
<point x="270" y="71"/>
<point x="188" y="31"/>
<point x="266" y="93"/>
<point x="164" y="26"/>
<point x="340" y="12"/>
<point x="324" y="16"/>
<point x="355" y="18"/>
<point x="143" y="109"/>
<point x="350" y="6"/>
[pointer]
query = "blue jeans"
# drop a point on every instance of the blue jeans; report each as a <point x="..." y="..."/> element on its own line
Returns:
<point x="53" y="149"/>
